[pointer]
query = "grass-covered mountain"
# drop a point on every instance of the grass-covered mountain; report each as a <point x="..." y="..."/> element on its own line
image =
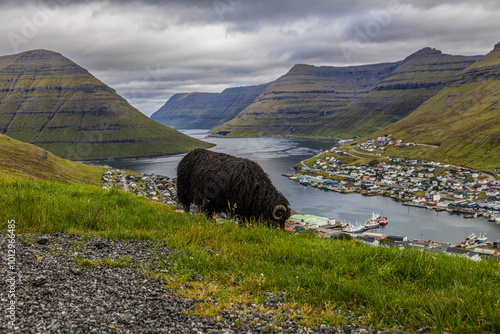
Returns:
<point x="304" y="98"/>
<point x="19" y="160"/>
<point x="463" y="119"/>
<point x="342" y="102"/>
<point x="206" y="110"/>
<point x="48" y="100"/>
<point x="419" y="77"/>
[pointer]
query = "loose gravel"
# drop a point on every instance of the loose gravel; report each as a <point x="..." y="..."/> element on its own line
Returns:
<point x="56" y="295"/>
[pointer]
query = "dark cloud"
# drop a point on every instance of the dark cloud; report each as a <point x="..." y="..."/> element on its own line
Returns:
<point x="148" y="50"/>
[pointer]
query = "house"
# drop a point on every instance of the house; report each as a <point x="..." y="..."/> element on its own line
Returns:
<point x="397" y="238"/>
<point x="463" y="253"/>
<point x="496" y="244"/>
<point x="486" y="251"/>
<point x="370" y="241"/>
<point x="311" y="221"/>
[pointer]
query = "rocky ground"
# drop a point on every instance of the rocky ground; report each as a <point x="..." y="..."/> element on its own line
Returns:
<point x="56" y="293"/>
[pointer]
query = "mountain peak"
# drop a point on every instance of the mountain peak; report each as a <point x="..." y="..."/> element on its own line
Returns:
<point x="425" y="52"/>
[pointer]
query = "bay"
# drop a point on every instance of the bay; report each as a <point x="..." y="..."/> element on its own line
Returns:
<point x="280" y="155"/>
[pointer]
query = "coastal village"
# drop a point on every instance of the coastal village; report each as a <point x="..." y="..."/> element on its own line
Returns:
<point x="417" y="183"/>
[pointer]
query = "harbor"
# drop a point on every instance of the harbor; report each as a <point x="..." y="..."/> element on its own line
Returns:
<point x="162" y="189"/>
<point x="280" y="155"/>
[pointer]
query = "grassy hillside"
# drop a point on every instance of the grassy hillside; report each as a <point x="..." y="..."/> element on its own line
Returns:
<point x="419" y="77"/>
<point x="20" y="160"/>
<point x="463" y="119"/>
<point x="342" y="102"/>
<point x="301" y="101"/>
<point x="323" y="280"/>
<point x="48" y="100"/>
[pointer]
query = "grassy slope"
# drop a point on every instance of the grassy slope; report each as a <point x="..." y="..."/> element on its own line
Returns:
<point x="389" y="288"/>
<point x="292" y="105"/>
<point x="463" y="119"/>
<point x="298" y="103"/>
<point x="53" y="103"/>
<point x="19" y="160"/>
<point x="418" y="78"/>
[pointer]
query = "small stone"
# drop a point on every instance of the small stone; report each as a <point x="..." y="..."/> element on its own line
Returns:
<point x="42" y="241"/>
<point x="126" y="318"/>
<point x="99" y="245"/>
<point x="197" y="277"/>
<point x="75" y="271"/>
<point x="39" y="281"/>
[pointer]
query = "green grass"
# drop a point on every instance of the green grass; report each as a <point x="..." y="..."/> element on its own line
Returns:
<point x="320" y="278"/>
<point x="26" y="161"/>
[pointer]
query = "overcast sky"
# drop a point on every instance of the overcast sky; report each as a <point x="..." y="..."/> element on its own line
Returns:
<point x="150" y="50"/>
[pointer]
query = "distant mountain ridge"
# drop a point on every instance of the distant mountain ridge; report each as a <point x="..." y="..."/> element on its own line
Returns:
<point x="206" y="110"/>
<point x="303" y="99"/>
<point x="325" y="101"/>
<point x="48" y="100"/>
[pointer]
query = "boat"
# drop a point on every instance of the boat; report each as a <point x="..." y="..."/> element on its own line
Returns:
<point x="353" y="228"/>
<point x="494" y="218"/>
<point x="372" y="222"/>
<point x="482" y="238"/>
<point x="383" y="221"/>
<point x="474" y="240"/>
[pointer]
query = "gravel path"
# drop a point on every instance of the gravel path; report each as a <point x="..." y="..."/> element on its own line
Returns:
<point x="55" y="295"/>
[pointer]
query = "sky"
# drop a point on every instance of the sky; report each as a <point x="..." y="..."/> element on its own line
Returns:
<point x="149" y="50"/>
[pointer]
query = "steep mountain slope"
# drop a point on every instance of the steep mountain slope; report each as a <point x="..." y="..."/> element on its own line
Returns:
<point x="48" y="100"/>
<point x="328" y="105"/>
<point x="26" y="161"/>
<point x="206" y="110"/>
<point x="304" y="98"/>
<point x="419" y="77"/>
<point x="463" y="119"/>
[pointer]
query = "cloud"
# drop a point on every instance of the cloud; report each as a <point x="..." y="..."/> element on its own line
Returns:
<point x="148" y="50"/>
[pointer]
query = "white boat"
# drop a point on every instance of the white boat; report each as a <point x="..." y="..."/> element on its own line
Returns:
<point x="353" y="228"/>
<point x="372" y="222"/>
<point x="473" y="239"/>
<point x="482" y="238"/>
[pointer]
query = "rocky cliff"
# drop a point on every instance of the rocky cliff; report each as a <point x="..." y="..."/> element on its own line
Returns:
<point x="48" y="100"/>
<point x="206" y="110"/>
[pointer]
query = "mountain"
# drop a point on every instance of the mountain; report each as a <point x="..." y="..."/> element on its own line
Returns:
<point x="26" y="161"/>
<point x="301" y="100"/>
<point x="462" y="120"/>
<point x="206" y="110"/>
<point x="48" y="100"/>
<point x="342" y="102"/>
<point x="419" y="77"/>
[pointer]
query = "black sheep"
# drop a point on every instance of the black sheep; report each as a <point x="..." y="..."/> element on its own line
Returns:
<point x="218" y="182"/>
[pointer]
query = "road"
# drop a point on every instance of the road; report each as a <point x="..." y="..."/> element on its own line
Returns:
<point x="125" y="184"/>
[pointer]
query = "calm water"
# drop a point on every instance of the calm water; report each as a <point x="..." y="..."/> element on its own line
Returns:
<point x="279" y="155"/>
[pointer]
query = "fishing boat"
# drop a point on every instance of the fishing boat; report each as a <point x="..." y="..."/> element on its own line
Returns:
<point x="372" y="222"/>
<point x="353" y="228"/>
<point x="383" y="221"/>
<point x="474" y="240"/>
<point x="482" y="238"/>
